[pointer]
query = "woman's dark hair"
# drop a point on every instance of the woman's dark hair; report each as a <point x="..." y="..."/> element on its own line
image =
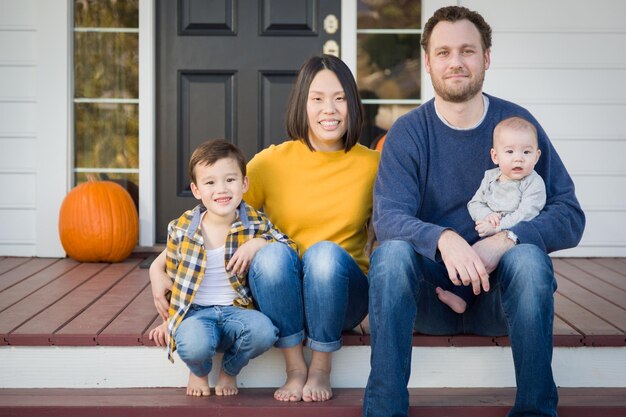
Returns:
<point x="454" y="14"/>
<point x="297" y="120"/>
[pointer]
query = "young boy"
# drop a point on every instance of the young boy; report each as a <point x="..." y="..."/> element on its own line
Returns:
<point x="511" y="193"/>
<point x="209" y="250"/>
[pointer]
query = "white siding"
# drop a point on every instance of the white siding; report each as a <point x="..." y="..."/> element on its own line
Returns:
<point x="18" y="79"/>
<point x="33" y="160"/>
<point x="565" y="62"/>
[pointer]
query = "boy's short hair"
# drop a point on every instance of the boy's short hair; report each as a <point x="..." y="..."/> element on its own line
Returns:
<point x="454" y="14"/>
<point x="212" y="151"/>
<point x="297" y="121"/>
<point x="515" y="123"/>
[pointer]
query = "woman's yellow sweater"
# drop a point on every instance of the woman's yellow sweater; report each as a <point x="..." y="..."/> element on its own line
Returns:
<point x="316" y="196"/>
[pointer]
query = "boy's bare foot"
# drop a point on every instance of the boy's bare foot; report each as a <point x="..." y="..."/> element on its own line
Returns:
<point x="456" y="303"/>
<point x="198" y="386"/>
<point x="317" y="387"/>
<point x="292" y="389"/>
<point x="226" y="384"/>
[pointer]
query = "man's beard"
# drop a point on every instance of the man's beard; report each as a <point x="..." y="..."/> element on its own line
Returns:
<point x="459" y="95"/>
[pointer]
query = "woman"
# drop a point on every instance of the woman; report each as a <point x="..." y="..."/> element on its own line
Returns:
<point x="316" y="188"/>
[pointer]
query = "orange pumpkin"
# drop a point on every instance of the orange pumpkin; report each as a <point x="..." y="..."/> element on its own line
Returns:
<point x="98" y="222"/>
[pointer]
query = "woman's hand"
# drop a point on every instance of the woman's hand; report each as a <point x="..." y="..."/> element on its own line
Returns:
<point x="161" y="284"/>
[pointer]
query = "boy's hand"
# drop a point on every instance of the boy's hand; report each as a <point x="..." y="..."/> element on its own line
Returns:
<point x="161" y="284"/>
<point x="493" y="219"/>
<point x="240" y="262"/>
<point x="159" y="334"/>
<point x="485" y="228"/>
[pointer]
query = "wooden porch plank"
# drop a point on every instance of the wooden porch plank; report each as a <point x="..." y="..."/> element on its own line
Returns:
<point x="30" y="306"/>
<point x="595" y="330"/>
<point x="129" y="326"/>
<point x="83" y="329"/>
<point x="586" y="280"/>
<point x="8" y="263"/>
<point x="24" y="270"/>
<point x="609" y="270"/>
<point x="31" y="284"/>
<point x="258" y="402"/>
<point x="39" y="328"/>
<point x="595" y="304"/>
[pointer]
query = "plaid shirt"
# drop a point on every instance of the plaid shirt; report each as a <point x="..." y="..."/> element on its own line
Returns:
<point x="186" y="258"/>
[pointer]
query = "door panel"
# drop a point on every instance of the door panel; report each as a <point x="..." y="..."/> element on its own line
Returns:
<point x="225" y="70"/>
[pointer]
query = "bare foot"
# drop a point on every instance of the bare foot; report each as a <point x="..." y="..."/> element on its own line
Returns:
<point x="317" y="387"/>
<point x="296" y="375"/>
<point x="456" y="303"/>
<point x="226" y="384"/>
<point x="198" y="386"/>
<point x="292" y="390"/>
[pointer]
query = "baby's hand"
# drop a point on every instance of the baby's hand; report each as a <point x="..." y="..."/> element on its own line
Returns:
<point x="485" y="228"/>
<point x="240" y="262"/>
<point x="159" y="334"/>
<point x="493" y="219"/>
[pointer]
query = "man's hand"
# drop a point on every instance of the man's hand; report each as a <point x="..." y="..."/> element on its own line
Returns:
<point x="240" y="262"/>
<point x="161" y="284"/>
<point x="462" y="262"/>
<point x="491" y="249"/>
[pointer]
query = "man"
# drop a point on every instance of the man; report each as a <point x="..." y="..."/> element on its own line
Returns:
<point x="433" y="161"/>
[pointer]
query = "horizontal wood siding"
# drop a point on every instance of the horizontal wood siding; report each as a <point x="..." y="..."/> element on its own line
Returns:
<point x="18" y="83"/>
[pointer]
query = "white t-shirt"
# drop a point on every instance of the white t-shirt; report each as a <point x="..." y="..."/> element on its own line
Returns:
<point x="215" y="289"/>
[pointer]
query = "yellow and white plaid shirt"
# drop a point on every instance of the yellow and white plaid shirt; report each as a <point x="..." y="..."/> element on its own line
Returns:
<point x="186" y="258"/>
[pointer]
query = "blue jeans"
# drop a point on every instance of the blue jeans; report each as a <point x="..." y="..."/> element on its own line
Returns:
<point x="241" y="334"/>
<point x="402" y="299"/>
<point x="327" y="288"/>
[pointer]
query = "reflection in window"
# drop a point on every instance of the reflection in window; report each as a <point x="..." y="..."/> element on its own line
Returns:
<point x="106" y="92"/>
<point x="388" y="62"/>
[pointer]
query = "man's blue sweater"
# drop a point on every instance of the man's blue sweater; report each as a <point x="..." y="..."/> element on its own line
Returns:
<point x="429" y="171"/>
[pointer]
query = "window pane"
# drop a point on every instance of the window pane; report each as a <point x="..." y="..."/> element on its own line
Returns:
<point x="389" y="65"/>
<point x="389" y="14"/>
<point x="106" y="65"/>
<point x="106" y="13"/>
<point x="106" y="135"/>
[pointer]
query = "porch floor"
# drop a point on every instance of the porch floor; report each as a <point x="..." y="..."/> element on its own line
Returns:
<point x="61" y="302"/>
<point x="347" y="402"/>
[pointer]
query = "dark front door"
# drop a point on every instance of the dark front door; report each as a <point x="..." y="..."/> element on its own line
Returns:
<point x="224" y="70"/>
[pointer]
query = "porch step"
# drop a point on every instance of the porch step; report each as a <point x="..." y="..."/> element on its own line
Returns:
<point x="166" y="402"/>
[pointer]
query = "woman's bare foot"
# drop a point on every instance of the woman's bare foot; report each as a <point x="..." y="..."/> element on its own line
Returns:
<point x="296" y="375"/>
<point x="226" y="384"/>
<point x="317" y="387"/>
<point x="198" y="386"/>
<point x="456" y="303"/>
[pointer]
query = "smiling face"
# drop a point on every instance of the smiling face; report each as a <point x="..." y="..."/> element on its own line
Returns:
<point x="220" y="187"/>
<point x="515" y="151"/>
<point x="327" y="112"/>
<point x="456" y="61"/>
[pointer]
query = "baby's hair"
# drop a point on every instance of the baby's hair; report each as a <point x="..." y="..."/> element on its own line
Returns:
<point x="515" y="123"/>
<point x="212" y="151"/>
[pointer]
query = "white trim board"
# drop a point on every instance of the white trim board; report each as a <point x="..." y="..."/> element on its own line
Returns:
<point x="126" y="367"/>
